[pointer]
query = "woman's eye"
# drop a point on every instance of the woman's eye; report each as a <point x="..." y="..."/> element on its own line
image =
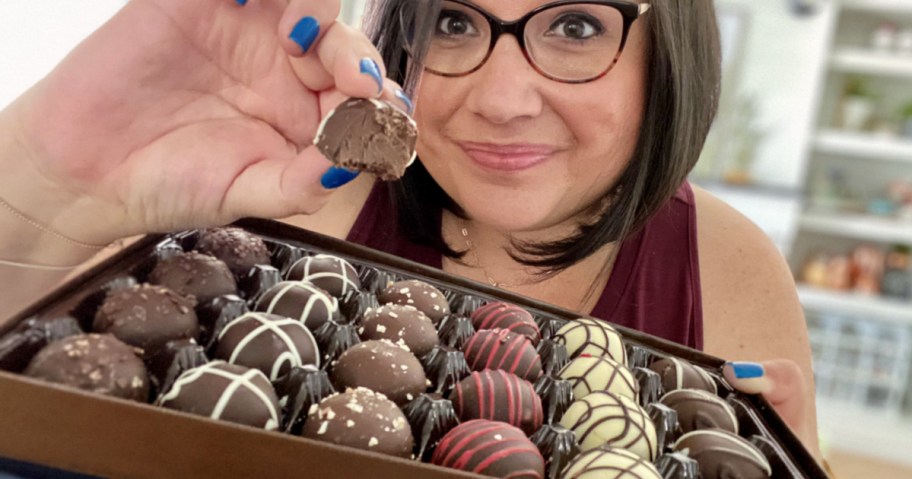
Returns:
<point x="576" y="27"/>
<point x="455" y="24"/>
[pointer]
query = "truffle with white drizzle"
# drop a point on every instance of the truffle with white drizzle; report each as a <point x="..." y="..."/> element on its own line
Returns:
<point x="723" y="455"/>
<point x="329" y="273"/>
<point x="273" y="344"/>
<point x="680" y="374"/>
<point x="701" y="410"/>
<point x="299" y="300"/>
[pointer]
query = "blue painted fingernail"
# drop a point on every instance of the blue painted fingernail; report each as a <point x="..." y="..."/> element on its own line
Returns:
<point x="409" y="106"/>
<point x="744" y="370"/>
<point x="337" y="177"/>
<point x="305" y="32"/>
<point x="370" y="67"/>
<point x="241" y="2"/>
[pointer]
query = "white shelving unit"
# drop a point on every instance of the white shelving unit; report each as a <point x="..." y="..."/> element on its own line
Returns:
<point x="861" y="227"/>
<point x="854" y="304"/>
<point x="866" y="146"/>
<point x="872" y="62"/>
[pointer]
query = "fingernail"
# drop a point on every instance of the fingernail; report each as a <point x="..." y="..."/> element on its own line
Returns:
<point x="409" y="106"/>
<point x="241" y="2"/>
<point x="745" y="370"/>
<point x="337" y="177"/>
<point x="305" y="32"/>
<point x="370" y="67"/>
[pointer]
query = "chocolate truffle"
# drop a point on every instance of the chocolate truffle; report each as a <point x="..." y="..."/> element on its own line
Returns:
<point x="329" y="273"/>
<point x="200" y="275"/>
<point x="147" y="316"/>
<point x="490" y="448"/>
<point x="97" y="363"/>
<point x="368" y="135"/>
<point x="428" y="299"/>
<point x="299" y="300"/>
<point x="603" y="418"/>
<point x="606" y="462"/>
<point x="723" y="455"/>
<point x="227" y="392"/>
<point x="403" y="325"/>
<point x="680" y="374"/>
<point x="362" y="419"/>
<point x="501" y="349"/>
<point x="506" y="316"/>
<point x="239" y="249"/>
<point x="599" y="373"/>
<point x="701" y="410"/>
<point x="593" y="337"/>
<point x="383" y="367"/>
<point x="499" y="396"/>
<point x="273" y="344"/>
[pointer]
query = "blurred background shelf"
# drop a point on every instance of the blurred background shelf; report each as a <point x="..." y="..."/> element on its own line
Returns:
<point x="858" y="226"/>
<point x="863" y="145"/>
<point x="882" y="309"/>
<point x="872" y="62"/>
<point x="870" y="433"/>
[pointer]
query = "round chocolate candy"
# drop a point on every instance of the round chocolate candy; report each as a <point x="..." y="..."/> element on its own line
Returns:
<point x="227" y="392"/>
<point x="329" y="273"/>
<point x="701" y="410"/>
<point x="490" y="448"/>
<point x="362" y="419"/>
<point x="403" y="325"/>
<point x="501" y="349"/>
<point x="593" y="337"/>
<point x="200" y="275"/>
<point x="239" y="249"/>
<point x="507" y="316"/>
<point x="147" y="316"/>
<point x="599" y="373"/>
<point x="723" y="455"/>
<point x="299" y="300"/>
<point x="97" y="363"/>
<point x="679" y="374"/>
<point x="603" y="418"/>
<point x="606" y="462"/>
<point x="381" y="366"/>
<point x="273" y="344"/>
<point x="428" y="299"/>
<point x="499" y="396"/>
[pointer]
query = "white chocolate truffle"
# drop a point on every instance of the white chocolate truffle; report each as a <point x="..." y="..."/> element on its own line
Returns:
<point x="604" y="418"/>
<point x="591" y="373"/>
<point x="610" y="463"/>
<point x="593" y="337"/>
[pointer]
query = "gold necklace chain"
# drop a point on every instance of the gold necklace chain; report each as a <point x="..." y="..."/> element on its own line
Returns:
<point x="477" y="264"/>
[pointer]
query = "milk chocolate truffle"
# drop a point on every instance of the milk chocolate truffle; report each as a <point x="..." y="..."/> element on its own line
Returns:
<point x="606" y="462"/>
<point x="403" y="325"/>
<point x="428" y="299"/>
<point x="200" y="275"/>
<point x="490" y="448"/>
<point x="147" y="316"/>
<point x="299" y="300"/>
<point x="701" y="410"/>
<point x="723" y="455"/>
<point x="501" y="349"/>
<point x="383" y="367"/>
<point x="499" y="315"/>
<point x="273" y="344"/>
<point x="599" y="373"/>
<point x="227" y="392"/>
<point x="368" y="135"/>
<point x="329" y="273"/>
<point x="362" y="419"/>
<point x="499" y="396"/>
<point x="593" y="337"/>
<point x="603" y="418"/>
<point x="97" y="363"/>
<point x="239" y="249"/>
<point x="679" y="374"/>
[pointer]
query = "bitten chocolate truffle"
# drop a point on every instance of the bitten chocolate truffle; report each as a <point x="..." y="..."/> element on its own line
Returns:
<point x="329" y="273"/>
<point x="383" y="367"/>
<point x="362" y="419"/>
<point x="603" y="418"/>
<point x="679" y="374"/>
<point x="299" y="300"/>
<point x="239" y="249"/>
<point x="490" y="448"/>
<point x="428" y="299"/>
<point x="368" y="135"/>
<point x="701" y="410"/>
<point x="592" y="337"/>
<point x="607" y="462"/>
<point x="200" y="275"/>
<point x="499" y="396"/>
<point x="147" y="316"/>
<point x="273" y="344"/>
<point x="723" y="455"/>
<point x="403" y="325"/>
<point x="97" y="363"/>
<point x="227" y="392"/>
<point x="591" y="373"/>
<point x="506" y="316"/>
<point x="501" y="349"/>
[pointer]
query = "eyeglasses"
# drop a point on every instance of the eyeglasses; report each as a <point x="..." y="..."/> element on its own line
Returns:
<point x="567" y="41"/>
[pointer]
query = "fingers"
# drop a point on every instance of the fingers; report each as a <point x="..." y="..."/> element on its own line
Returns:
<point x="780" y="381"/>
<point x="304" y="22"/>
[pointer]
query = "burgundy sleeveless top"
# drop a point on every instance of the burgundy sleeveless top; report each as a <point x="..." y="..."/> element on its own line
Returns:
<point x="654" y="286"/>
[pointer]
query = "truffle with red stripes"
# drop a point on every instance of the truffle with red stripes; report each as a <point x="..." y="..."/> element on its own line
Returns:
<point x="490" y="448"/>
<point x="499" y="396"/>
<point x="502" y="349"/>
<point x="500" y="315"/>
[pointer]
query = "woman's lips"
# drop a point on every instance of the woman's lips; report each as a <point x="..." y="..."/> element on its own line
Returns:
<point x="512" y="157"/>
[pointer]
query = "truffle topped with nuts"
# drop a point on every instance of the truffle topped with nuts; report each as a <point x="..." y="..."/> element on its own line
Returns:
<point x="381" y="366"/>
<point x="426" y="298"/>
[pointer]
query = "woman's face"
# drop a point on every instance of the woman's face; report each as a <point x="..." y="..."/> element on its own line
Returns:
<point x="520" y="152"/>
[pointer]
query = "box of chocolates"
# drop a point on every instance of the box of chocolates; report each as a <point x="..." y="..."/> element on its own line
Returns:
<point x="266" y="350"/>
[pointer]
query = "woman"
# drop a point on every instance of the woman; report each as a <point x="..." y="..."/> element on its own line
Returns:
<point x="554" y="152"/>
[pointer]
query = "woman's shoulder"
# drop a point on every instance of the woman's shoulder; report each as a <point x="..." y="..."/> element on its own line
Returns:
<point x="337" y="218"/>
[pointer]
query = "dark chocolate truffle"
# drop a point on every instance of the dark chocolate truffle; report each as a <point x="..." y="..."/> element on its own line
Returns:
<point x="329" y="273"/>
<point x="599" y="373"/>
<point x="299" y="300"/>
<point x="239" y="249"/>
<point x="593" y="337"/>
<point x="679" y="374"/>
<point x="501" y="349"/>
<point x="490" y="448"/>
<point x="499" y="396"/>
<point x="403" y="325"/>
<point x="606" y="418"/>
<point x="147" y="317"/>
<point x="362" y="419"/>
<point x="228" y="392"/>
<point x="606" y="462"/>
<point x="701" y="410"/>
<point x="368" y="135"/>
<point x="98" y="363"/>
<point x="200" y="275"/>
<point x="507" y="316"/>
<point x="383" y="367"/>
<point x="428" y="299"/>
<point x="723" y="455"/>
<point x="273" y="344"/>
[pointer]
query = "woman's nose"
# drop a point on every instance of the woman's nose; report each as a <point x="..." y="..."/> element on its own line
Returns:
<point x="505" y="88"/>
